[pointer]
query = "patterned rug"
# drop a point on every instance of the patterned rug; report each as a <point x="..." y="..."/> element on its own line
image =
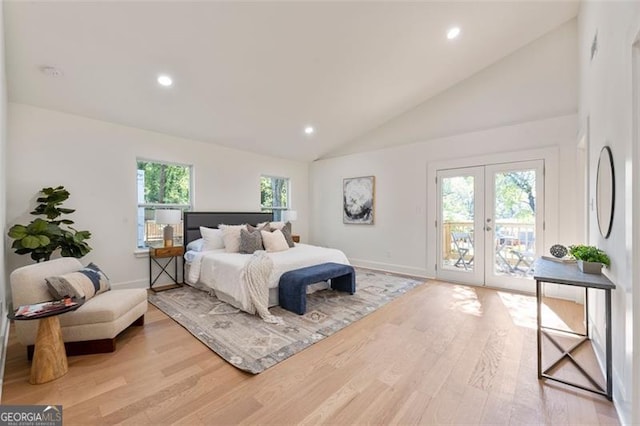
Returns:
<point x="252" y="345"/>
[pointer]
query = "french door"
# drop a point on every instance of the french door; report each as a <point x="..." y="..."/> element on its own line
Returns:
<point x="490" y="223"/>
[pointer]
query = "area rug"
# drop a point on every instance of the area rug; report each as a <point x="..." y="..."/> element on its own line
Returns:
<point x="252" y="345"/>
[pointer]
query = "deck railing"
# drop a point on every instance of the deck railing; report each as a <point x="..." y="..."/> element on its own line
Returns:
<point x="154" y="233"/>
<point x="522" y="235"/>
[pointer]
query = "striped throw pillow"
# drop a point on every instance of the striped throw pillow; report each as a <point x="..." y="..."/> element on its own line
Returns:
<point x="85" y="283"/>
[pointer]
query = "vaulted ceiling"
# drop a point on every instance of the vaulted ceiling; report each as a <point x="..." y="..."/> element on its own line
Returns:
<point x="252" y="75"/>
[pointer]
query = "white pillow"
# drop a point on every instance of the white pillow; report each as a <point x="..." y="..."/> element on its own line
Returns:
<point x="276" y="225"/>
<point x="231" y="237"/>
<point x="274" y="241"/>
<point x="212" y="239"/>
<point x="196" y="245"/>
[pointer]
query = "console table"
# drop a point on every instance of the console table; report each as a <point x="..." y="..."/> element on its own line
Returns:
<point x="569" y="274"/>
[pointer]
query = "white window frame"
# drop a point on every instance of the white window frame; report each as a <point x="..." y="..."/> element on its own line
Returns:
<point x="140" y="237"/>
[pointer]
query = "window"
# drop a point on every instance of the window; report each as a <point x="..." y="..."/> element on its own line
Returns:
<point x="160" y="186"/>
<point x="274" y="195"/>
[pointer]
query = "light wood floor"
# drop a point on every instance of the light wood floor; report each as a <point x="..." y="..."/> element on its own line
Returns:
<point x="440" y="354"/>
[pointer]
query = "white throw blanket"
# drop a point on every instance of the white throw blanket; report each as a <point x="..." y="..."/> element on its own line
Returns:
<point x="256" y="274"/>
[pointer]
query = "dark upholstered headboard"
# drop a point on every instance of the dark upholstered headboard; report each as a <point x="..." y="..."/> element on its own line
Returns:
<point x="194" y="220"/>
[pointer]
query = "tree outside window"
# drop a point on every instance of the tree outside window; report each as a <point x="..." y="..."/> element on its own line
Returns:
<point x="274" y="195"/>
<point x="160" y="186"/>
<point x="515" y="191"/>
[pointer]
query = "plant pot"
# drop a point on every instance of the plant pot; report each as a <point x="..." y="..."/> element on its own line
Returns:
<point x="590" y="267"/>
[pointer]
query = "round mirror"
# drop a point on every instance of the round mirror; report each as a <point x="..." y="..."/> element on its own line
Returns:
<point x="605" y="191"/>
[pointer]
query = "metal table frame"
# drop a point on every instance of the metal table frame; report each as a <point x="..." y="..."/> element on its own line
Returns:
<point x="569" y="274"/>
<point x="163" y="270"/>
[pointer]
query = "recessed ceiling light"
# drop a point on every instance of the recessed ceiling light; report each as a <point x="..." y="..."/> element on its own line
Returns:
<point x="165" y="80"/>
<point x="453" y="32"/>
<point x="309" y="130"/>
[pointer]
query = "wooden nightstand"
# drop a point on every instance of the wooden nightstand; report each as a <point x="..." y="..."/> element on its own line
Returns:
<point x="172" y="254"/>
<point x="295" y="238"/>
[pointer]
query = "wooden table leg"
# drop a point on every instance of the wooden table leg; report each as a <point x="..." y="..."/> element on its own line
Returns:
<point x="49" y="358"/>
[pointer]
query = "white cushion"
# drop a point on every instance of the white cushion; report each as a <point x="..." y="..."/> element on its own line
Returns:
<point x="276" y="225"/>
<point x="231" y="237"/>
<point x="274" y="241"/>
<point x="212" y="239"/>
<point x="108" y="307"/>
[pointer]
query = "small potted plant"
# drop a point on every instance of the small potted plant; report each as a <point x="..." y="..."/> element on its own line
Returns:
<point x="590" y="259"/>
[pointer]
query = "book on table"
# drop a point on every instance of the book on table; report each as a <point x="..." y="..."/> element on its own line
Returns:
<point x="44" y="307"/>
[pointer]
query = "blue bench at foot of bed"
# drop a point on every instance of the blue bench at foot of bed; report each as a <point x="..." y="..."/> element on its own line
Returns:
<point x="292" y="289"/>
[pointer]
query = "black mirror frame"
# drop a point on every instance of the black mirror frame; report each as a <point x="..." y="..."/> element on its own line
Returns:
<point x="606" y="232"/>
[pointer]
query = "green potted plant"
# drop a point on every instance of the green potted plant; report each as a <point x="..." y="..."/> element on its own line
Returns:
<point x="42" y="237"/>
<point x="590" y="259"/>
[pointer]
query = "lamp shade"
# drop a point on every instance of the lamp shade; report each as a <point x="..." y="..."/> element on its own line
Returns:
<point x="289" y="215"/>
<point x="168" y="216"/>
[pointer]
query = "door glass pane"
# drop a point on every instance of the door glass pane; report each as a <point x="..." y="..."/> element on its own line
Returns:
<point x="515" y="221"/>
<point x="457" y="223"/>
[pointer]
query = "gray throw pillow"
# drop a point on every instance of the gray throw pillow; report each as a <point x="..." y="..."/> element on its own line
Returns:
<point x="61" y="288"/>
<point x="250" y="242"/>
<point x="286" y="231"/>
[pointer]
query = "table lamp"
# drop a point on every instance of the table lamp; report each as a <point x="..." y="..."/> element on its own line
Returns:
<point x="289" y="216"/>
<point x="168" y="217"/>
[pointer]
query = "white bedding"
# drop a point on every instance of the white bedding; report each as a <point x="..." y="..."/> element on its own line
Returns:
<point x="222" y="271"/>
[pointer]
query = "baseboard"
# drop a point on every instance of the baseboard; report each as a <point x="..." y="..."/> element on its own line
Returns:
<point x="620" y="396"/>
<point x="619" y="390"/>
<point x="144" y="283"/>
<point x="391" y="267"/>
<point x="623" y="409"/>
<point x="4" y="334"/>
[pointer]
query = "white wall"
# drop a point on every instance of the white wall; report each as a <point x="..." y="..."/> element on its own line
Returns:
<point x="96" y="162"/>
<point x="403" y="237"/>
<point x="606" y="97"/>
<point x="536" y="82"/>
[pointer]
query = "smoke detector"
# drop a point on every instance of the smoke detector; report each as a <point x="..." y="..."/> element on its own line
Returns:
<point x="51" y="71"/>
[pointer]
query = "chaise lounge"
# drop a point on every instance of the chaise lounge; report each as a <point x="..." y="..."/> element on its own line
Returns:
<point x="90" y="329"/>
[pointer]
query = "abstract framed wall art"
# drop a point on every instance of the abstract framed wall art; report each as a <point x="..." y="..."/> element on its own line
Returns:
<point x="358" y="195"/>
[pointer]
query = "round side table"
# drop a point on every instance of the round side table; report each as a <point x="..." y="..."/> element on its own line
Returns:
<point x="49" y="357"/>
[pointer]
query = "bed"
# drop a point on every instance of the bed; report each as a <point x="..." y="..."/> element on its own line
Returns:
<point x="222" y="272"/>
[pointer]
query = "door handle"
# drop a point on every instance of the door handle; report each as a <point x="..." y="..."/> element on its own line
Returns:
<point x="487" y="228"/>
